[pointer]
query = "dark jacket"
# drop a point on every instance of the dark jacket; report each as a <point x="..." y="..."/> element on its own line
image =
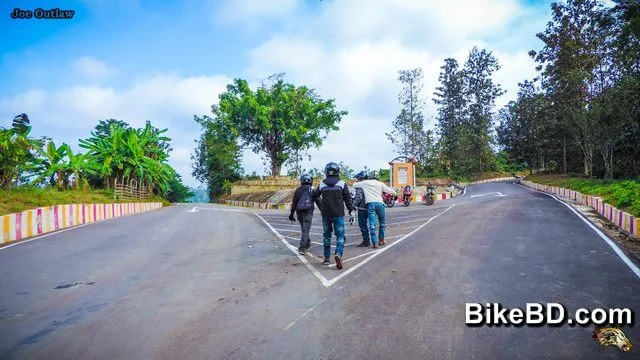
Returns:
<point x="359" y="201"/>
<point x="335" y="195"/>
<point x="298" y="194"/>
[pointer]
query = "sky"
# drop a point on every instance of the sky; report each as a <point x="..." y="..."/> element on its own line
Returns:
<point x="166" y="61"/>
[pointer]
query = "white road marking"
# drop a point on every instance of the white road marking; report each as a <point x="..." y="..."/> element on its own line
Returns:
<point x="499" y="194"/>
<point x="293" y="249"/>
<point x="355" y="257"/>
<point x="195" y="209"/>
<point x="382" y="250"/>
<point x="604" y="237"/>
<point x="217" y="209"/>
<point x="304" y="314"/>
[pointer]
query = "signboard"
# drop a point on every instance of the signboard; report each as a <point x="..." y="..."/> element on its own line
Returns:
<point x="402" y="173"/>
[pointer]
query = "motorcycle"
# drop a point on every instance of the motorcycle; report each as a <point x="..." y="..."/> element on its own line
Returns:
<point x="430" y="196"/>
<point x="407" y="194"/>
<point x="389" y="200"/>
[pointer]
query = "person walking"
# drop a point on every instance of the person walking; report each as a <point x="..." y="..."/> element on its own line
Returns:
<point x="373" y="190"/>
<point x="335" y="195"/>
<point x="303" y="205"/>
<point x="360" y="204"/>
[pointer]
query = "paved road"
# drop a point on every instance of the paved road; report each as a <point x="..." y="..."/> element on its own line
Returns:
<point x="212" y="283"/>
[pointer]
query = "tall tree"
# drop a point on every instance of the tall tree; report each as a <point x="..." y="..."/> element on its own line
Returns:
<point x="216" y="161"/>
<point x="481" y="92"/>
<point x="573" y="43"/>
<point x="277" y="119"/>
<point x="451" y="102"/>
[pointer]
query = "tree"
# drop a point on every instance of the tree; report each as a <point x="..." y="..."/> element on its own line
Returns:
<point x="18" y="151"/>
<point x="277" y="119"/>
<point x="408" y="134"/>
<point x="481" y="92"/>
<point x="451" y="102"/>
<point x="217" y="156"/>
<point x="178" y="192"/>
<point x="50" y="165"/>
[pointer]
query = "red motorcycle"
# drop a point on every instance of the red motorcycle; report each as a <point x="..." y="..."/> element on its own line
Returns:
<point x="389" y="199"/>
<point x="407" y="194"/>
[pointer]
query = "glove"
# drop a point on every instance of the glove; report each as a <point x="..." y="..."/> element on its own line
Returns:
<point x="293" y="219"/>
<point x="351" y="219"/>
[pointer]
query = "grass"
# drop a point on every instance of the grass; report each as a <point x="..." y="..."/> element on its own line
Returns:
<point x="20" y="199"/>
<point x="623" y="194"/>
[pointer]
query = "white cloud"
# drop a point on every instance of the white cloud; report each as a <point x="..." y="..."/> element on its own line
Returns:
<point x="352" y="51"/>
<point x="93" y="69"/>
<point x="168" y="100"/>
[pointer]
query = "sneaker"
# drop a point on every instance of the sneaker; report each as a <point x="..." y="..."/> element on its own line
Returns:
<point x="302" y="251"/>
<point x="375" y="246"/>
<point x="363" y="244"/>
<point x="326" y="261"/>
<point x="338" y="261"/>
<point x="381" y="242"/>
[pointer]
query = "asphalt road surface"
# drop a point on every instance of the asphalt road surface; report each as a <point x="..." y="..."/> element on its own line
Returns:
<point x="215" y="282"/>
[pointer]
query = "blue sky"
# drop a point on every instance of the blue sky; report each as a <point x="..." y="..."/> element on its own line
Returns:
<point x="167" y="60"/>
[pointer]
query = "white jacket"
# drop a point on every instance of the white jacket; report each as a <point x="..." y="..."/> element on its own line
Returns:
<point x="373" y="190"/>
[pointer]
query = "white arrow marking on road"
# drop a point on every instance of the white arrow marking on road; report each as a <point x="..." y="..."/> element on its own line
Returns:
<point x="195" y="209"/>
<point x="498" y="194"/>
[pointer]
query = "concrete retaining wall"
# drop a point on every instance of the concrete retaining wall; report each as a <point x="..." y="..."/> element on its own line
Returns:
<point x="621" y="219"/>
<point x="42" y="220"/>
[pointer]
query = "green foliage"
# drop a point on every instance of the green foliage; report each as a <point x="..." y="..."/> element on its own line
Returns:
<point x="217" y="156"/>
<point x="278" y="119"/>
<point x="18" y="151"/>
<point x="346" y="172"/>
<point x="178" y="192"/>
<point x="131" y="156"/>
<point x="623" y="194"/>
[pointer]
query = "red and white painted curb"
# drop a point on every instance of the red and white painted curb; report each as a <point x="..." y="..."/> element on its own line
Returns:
<point x="29" y="223"/>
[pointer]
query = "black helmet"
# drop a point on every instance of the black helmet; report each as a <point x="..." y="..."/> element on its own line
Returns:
<point x="305" y="179"/>
<point x="332" y="169"/>
<point x="362" y="175"/>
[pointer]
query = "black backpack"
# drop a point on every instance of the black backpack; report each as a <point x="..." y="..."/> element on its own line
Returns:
<point x="306" y="201"/>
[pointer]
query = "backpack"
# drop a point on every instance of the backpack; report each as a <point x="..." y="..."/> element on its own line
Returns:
<point x="359" y="200"/>
<point x="306" y="201"/>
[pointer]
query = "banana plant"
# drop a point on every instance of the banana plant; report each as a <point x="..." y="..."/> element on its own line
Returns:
<point x="79" y="166"/>
<point x="51" y="164"/>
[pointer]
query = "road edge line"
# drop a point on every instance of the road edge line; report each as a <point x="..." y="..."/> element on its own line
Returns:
<point x="611" y="243"/>
<point x="293" y="249"/>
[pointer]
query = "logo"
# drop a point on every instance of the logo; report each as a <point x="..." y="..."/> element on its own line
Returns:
<point x="607" y="336"/>
<point x="40" y="13"/>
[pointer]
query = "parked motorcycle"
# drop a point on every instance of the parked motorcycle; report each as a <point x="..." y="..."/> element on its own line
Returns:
<point x="389" y="200"/>
<point x="407" y="194"/>
<point x="430" y="196"/>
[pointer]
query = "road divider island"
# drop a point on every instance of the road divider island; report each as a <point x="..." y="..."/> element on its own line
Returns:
<point x="34" y="222"/>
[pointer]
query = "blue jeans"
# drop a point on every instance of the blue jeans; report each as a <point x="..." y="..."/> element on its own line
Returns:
<point x="376" y="209"/>
<point x="328" y="226"/>
<point x="363" y="218"/>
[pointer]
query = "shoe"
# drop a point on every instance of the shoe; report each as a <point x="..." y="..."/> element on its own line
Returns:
<point x="363" y="244"/>
<point x="326" y="261"/>
<point x="338" y="261"/>
<point x="375" y="246"/>
<point x="381" y="242"/>
<point x="302" y="251"/>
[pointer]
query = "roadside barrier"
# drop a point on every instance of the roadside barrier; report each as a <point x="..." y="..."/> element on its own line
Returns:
<point x="620" y="219"/>
<point x="28" y="223"/>
<point x="448" y="195"/>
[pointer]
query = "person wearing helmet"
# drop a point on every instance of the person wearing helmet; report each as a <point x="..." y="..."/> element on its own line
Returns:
<point x="303" y="205"/>
<point x="373" y="190"/>
<point x="335" y="195"/>
<point x="360" y="204"/>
